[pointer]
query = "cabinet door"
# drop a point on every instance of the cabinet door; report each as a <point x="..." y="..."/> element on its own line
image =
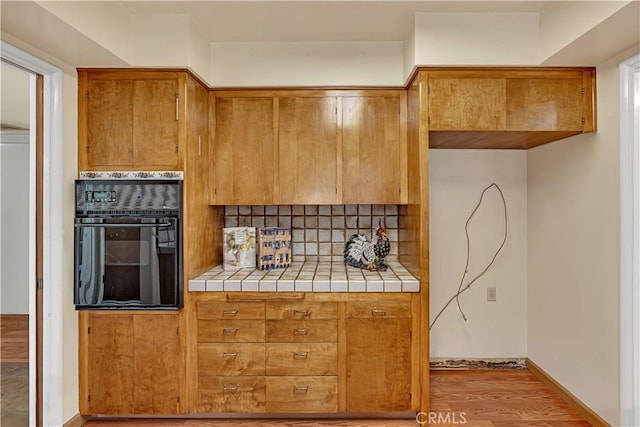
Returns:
<point x="378" y="364"/>
<point x="109" y="122"/>
<point x="467" y="103"/>
<point x="243" y="157"/>
<point x="155" y="123"/>
<point x="308" y="151"/>
<point x="371" y="147"/>
<point x="156" y="364"/>
<point x="110" y="364"/>
<point x="545" y="104"/>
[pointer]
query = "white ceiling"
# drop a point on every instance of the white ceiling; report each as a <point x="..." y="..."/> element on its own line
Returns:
<point x="302" y="21"/>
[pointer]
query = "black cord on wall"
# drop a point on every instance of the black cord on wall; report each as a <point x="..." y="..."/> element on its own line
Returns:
<point x="461" y="289"/>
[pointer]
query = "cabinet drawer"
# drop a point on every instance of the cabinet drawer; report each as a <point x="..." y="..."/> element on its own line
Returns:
<point x="302" y="359"/>
<point x="302" y="310"/>
<point x="302" y="394"/>
<point x="382" y="310"/>
<point x="231" y="331"/>
<point x="231" y="394"/>
<point x="324" y="330"/>
<point x="230" y="359"/>
<point x="230" y="310"/>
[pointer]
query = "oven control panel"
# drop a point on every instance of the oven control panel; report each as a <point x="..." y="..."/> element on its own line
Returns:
<point x="100" y="196"/>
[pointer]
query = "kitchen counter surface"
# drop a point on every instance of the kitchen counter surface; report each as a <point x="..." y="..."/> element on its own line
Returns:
<point x="307" y="277"/>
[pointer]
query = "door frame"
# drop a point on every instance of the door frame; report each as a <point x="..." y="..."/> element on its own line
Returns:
<point x="630" y="241"/>
<point x="53" y="231"/>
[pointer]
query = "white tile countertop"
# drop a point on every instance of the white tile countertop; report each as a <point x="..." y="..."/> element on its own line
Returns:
<point x="307" y="277"/>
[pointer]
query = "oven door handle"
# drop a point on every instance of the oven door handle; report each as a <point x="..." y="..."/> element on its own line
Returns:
<point x="127" y="225"/>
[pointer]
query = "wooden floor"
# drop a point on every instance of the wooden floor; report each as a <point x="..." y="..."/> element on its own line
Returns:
<point x="487" y="398"/>
<point x="14" y="370"/>
<point x="14" y="338"/>
<point x="483" y="398"/>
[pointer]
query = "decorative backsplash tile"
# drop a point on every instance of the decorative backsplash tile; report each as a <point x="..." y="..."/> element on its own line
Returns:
<point x="319" y="232"/>
<point x="131" y="175"/>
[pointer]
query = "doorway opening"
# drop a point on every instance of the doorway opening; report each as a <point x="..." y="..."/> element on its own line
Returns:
<point x="45" y="236"/>
<point x="16" y="121"/>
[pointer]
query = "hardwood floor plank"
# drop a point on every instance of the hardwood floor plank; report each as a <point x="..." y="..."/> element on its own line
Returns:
<point x="14" y="338"/>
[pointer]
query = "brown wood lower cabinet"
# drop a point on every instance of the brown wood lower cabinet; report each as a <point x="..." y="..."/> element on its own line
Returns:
<point x="130" y="363"/>
<point x="323" y="353"/>
<point x="378" y="364"/>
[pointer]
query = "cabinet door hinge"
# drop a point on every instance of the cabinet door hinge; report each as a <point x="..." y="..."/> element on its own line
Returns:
<point x="582" y="120"/>
<point x="86" y="95"/>
<point x="176" y="149"/>
<point x="178" y="330"/>
<point x="89" y="398"/>
<point x="87" y="149"/>
<point x="178" y="399"/>
<point x="39" y="283"/>
<point x="428" y="120"/>
<point x="428" y="89"/>
<point x="582" y="90"/>
<point x="89" y="330"/>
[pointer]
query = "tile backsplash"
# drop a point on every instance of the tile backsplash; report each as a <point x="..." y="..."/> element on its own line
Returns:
<point x="319" y="232"/>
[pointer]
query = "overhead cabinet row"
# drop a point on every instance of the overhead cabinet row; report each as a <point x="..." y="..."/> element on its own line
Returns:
<point x="314" y="147"/>
<point x="508" y="108"/>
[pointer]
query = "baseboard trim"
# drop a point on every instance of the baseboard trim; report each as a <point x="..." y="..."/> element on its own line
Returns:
<point x="76" y="421"/>
<point x="594" y="419"/>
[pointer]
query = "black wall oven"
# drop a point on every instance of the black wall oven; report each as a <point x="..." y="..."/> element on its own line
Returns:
<point x="128" y="244"/>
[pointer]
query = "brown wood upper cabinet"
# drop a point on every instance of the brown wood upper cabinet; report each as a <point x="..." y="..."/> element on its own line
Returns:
<point x="308" y="150"/>
<point x="243" y="151"/>
<point x="308" y="147"/>
<point x="508" y="108"/>
<point x="458" y="103"/>
<point x="373" y="149"/>
<point x="131" y="364"/>
<point x="128" y="120"/>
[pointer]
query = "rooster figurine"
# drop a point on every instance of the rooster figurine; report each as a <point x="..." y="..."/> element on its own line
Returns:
<point x="361" y="253"/>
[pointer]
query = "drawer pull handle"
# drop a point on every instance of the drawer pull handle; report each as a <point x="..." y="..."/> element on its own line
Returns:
<point x="300" y="331"/>
<point x="300" y="354"/>
<point x="230" y="331"/>
<point x="300" y="389"/>
<point x="229" y="388"/>
<point x="229" y="355"/>
<point x="229" y="312"/>
<point x="303" y="312"/>
<point x="378" y="313"/>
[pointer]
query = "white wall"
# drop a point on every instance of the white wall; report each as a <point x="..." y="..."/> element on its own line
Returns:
<point x="476" y="39"/>
<point x="573" y="249"/>
<point x="14" y="219"/>
<point x="14" y="105"/>
<point x="563" y="22"/>
<point x="456" y="180"/>
<point x="307" y="64"/>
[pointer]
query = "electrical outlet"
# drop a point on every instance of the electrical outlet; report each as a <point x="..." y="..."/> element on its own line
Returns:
<point x="491" y="294"/>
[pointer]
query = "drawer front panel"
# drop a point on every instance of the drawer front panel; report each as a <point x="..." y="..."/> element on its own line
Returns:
<point x="382" y="310"/>
<point x="231" y="394"/>
<point x="302" y="394"/>
<point x="230" y="359"/>
<point x="302" y="359"/>
<point x="302" y="310"/>
<point x="230" y="310"/>
<point x="325" y="330"/>
<point x="231" y="331"/>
